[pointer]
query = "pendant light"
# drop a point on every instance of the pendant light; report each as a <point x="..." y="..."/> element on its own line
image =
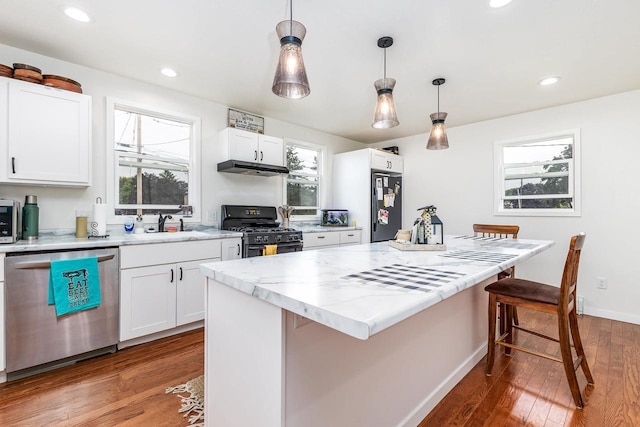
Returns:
<point x="385" y="115"/>
<point x="290" y="80"/>
<point x="438" y="138"/>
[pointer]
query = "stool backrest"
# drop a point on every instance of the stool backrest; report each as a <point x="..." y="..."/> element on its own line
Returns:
<point x="496" y="230"/>
<point x="570" y="273"/>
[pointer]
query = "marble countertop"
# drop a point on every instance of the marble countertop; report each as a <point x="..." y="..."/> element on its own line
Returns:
<point x="363" y="289"/>
<point x="50" y="241"/>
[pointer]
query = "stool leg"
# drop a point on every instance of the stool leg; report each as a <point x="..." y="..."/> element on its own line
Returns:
<point x="577" y="343"/>
<point x="509" y="328"/>
<point x="567" y="359"/>
<point x="491" y="339"/>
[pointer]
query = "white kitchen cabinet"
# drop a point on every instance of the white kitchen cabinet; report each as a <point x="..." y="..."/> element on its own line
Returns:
<point x="351" y="237"/>
<point x="330" y="239"/>
<point x="384" y="161"/>
<point x="231" y="249"/>
<point x="238" y="144"/>
<point x="161" y="286"/>
<point x="48" y="135"/>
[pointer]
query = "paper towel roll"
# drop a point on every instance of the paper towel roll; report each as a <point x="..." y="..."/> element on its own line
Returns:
<point x="99" y="220"/>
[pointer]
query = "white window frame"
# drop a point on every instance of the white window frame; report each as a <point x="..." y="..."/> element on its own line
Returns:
<point x="322" y="154"/>
<point x="112" y="181"/>
<point x="573" y="175"/>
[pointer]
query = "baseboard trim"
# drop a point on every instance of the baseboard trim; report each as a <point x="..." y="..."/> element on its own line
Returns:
<point x="613" y="315"/>
<point x="162" y="334"/>
<point x="430" y="402"/>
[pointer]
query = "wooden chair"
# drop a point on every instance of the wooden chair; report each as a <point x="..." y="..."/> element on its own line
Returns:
<point x="506" y="232"/>
<point x="550" y="299"/>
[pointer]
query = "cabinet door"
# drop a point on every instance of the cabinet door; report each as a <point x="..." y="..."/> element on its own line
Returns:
<point x="231" y="249"/>
<point x="49" y="136"/>
<point x="320" y="240"/>
<point x="386" y="161"/>
<point x="350" y="237"/>
<point x="190" y="293"/>
<point x="3" y="362"/>
<point x="271" y="150"/>
<point x="147" y="300"/>
<point x="243" y="145"/>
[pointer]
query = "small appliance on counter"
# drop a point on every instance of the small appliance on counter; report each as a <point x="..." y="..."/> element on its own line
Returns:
<point x="30" y="218"/>
<point x="10" y="221"/>
<point x="335" y="217"/>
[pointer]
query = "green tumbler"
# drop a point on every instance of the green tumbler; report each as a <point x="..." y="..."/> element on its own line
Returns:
<point x="30" y="213"/>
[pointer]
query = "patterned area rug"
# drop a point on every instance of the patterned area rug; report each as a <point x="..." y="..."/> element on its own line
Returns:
<point x="192" y="405"/>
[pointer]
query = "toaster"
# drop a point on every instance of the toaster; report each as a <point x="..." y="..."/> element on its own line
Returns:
<point x="10" y="221"/>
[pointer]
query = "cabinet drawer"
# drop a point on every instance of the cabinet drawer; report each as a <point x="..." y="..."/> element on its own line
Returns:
<point x="163" y="253"/>
<point x="350" y="237"/>
<point x="328" y="238"/>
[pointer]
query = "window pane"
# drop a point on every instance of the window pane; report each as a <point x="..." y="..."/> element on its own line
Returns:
<point x="538" y="169"/>
<point x="158" y="187"/>
<point x="565" y="203"/>
<point x="299" y="194"/>
<point x="138" y="133"/>
<point x="302" y="160"/>
<point x="532" y="186"/>
<point x="540" y="151"/>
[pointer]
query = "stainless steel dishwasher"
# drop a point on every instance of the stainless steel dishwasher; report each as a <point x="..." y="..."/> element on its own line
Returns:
<point x="36" y="339"/>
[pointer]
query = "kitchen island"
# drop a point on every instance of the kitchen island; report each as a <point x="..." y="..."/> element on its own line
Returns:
<point x="363" y="335"/>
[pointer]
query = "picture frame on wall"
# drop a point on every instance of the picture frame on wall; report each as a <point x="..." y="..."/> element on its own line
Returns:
<point x="246" y="121"/>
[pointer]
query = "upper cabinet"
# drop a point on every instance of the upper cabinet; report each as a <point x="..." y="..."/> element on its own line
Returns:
<point x="237" y="144"/>
<point x="48" y="135"/>
<point x="384" y="161"/>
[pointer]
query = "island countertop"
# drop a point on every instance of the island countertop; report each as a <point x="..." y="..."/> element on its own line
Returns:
<point x="364" y="289"/>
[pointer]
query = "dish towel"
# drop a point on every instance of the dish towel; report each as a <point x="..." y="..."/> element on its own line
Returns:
<point x="74" y="285"/>
<point x="270" y="250"/>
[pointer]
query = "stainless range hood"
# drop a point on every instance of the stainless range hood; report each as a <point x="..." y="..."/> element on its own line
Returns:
<point x="249" y="168"/>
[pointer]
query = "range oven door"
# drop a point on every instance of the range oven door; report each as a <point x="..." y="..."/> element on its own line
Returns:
<point x="256" y="250"/>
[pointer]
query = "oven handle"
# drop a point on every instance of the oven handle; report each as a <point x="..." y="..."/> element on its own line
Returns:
<point x="28" y="265"/>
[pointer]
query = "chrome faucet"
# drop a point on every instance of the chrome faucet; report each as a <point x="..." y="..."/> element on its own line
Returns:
<point x="161" y="220"/>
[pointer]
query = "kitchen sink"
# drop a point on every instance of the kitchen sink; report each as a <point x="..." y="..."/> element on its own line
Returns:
<point x="169" y="235"/>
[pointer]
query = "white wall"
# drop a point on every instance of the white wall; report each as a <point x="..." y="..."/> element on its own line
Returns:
<point x="459" y="181"/>
<point x="58" y="205"/>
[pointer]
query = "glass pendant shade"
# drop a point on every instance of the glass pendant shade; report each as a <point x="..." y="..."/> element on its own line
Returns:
<point x="385" y="116"/>
<point x="291" y="80"/>
<point x="438" y="138"/>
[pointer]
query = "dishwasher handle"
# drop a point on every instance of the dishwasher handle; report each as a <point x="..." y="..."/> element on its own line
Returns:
<point x="28" y="265"/>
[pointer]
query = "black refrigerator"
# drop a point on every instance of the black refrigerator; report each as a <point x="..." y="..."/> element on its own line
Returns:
<point x="386" y="206"/>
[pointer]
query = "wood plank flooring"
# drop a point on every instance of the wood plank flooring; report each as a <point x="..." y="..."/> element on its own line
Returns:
<point x="526" y="390"/>
<point x="127" y="388"/>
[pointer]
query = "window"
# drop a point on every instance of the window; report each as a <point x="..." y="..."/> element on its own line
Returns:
<point x="303" y="184"/>
<point x="153" y="161"/>
<point x="538" y="175"/>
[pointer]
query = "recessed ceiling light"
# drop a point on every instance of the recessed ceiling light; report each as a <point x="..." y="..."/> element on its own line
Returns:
<point x="77" y="14"/>
<point x="169" y="72"/>
<point x="548" y="81"/>
<point x="499" y="3"/>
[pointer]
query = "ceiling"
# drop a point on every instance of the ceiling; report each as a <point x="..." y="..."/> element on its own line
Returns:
<point x="226" y="51"/>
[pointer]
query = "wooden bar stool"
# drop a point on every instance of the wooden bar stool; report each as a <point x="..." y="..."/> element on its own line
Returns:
<point x="549" y="299"/>
<point x="506" y="232"/>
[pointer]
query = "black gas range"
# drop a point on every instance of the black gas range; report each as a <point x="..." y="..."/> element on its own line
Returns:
<point x="260" y="228"/>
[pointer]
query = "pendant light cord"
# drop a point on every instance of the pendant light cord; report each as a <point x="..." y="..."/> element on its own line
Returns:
<point x="291" y="17"/>
<point x="438" y="101"/>
<point x="385" y="65"/>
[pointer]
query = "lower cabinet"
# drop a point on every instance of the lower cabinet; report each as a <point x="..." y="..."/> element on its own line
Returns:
<point x="330" y="239"/>
<point x="161" y="286"/>
<point x="2" y="336"/>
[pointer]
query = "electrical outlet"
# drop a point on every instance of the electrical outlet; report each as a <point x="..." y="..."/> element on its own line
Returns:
<point x="212" y="216"/>
<point x="601" y="282"/>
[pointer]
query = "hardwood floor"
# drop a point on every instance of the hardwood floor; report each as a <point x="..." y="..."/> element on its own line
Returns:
<point x="127" y="388"/>
<point x="532" y="391"/>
